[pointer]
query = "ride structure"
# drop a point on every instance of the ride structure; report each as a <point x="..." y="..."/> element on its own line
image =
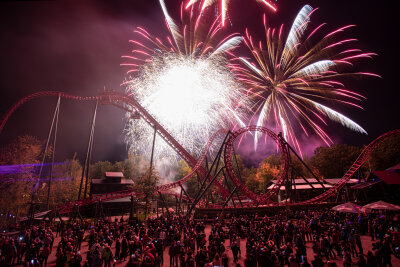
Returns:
<point x="221" y="170"/>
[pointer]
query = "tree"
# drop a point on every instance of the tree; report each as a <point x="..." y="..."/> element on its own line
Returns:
<point x="66" y="181"/>
<point x="386" y="154"/>
<point x="134" y="166"/>
<point x="259" y="179"/>
<point x="334" y="161"/>
<point x="98" y="170"/>
<point x="147" y="184"/>
<point x="273" y="160"/>
<point x="21" y="157"/>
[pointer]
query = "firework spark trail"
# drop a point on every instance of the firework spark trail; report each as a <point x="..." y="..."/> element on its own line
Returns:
<point x="223" y="6"/>
<point x="293" y="81"/>
<point x="184" y="82"/>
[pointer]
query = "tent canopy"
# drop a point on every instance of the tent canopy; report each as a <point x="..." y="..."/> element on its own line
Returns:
<point x="347" y="207"/>
<point x="380" y="205"/>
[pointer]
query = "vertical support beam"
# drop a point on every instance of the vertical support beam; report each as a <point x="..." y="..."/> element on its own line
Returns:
<point x="163" y="200"/>
<point x="214" y="164"/>
<point x="101" y="209"/>
<point x="293" y="184"/>
<point x="203" y="192"/>
<point x="229" y="189"/>
<point x="229" y="198"/>
<point x="89" y="146"/>
<point x="36" y="186"/>
<point x="157" y="207"/>
<point x="304" y="164"/>
<point x="54" y="151"/>
<point x="132" y="208"/>
<point x="198" y="182"/>
<point x="188" y="197"/>
<point x="239" y="175"/>
<point x="305" y="179"/>
<point x="176" y="205"/>
<point x="152" y="151"/>
<point x="180" y="202"/>
<point x="184" y="191"/>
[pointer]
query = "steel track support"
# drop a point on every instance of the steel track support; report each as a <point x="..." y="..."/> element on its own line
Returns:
<point x="132" y="210"/>
<point x="229" y="198"/>
<point x="99" y="210"/>
<point x="301" y="160"/>
<point x="184" y="191"/>
<point x="204" y="191"/>
<point x="88" y="154"/>
<point x="215" y="165"/>
<point x="152" y="151"/>
<point x="157" y="207"/>
<point x="176" y="205"/>
<point x="180" y="202"/>
<point x="239" y="176"/>
<point x="75" y="213"/>
<point x="163" y="201"/>
<point x="53" y="153"/>
<point x="229" y="189"/>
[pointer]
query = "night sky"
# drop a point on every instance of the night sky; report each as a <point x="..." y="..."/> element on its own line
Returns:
<point x="76" y="47"/>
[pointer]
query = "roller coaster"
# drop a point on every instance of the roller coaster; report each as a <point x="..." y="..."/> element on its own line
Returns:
<point x="226" y="153"/>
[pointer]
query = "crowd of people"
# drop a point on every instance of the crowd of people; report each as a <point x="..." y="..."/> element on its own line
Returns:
<point x="279" y="240"/>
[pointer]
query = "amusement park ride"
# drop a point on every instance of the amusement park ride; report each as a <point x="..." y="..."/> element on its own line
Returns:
<point x="222" y="167"/>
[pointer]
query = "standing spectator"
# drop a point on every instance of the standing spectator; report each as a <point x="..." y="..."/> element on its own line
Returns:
<point x="117" y="249"/>
<point x="46" y="254"/>
<point x="107" y="256"/>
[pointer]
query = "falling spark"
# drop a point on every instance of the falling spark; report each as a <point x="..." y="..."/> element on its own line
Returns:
<point x="223" y="6"/>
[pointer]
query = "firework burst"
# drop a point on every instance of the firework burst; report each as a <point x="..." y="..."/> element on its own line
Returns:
<point x="295" y="81"/>
<point x="184" y="83"/>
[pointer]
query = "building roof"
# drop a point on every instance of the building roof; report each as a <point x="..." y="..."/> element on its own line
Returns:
<point x="303" y="186"/>
<point x="364" y="185"/>
<point x="114" y="174"/>
<point x="329" y="181"/>
<point x="103" y="181"/>
<point x="388" y="176"/>
<point x="395" y="167"/>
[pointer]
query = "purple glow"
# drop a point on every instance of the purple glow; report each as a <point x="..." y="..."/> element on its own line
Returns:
<point x="21" y="168"/>
<point x="54" y="179"/>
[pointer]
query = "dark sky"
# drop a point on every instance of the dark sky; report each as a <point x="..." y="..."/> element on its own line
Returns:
<point x="76" y="47"/>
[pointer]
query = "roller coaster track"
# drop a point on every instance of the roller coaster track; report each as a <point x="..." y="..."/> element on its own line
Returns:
<point x="266" y="198"/>
<point x="350" y="172"/>
<point x="228" y="153"/>
<point x="129" y="104"/>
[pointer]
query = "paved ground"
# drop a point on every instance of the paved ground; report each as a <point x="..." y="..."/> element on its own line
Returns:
<point x="366" y="241"/>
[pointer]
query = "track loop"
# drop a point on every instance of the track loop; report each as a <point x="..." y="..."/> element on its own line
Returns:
<point x="228" y="154"/>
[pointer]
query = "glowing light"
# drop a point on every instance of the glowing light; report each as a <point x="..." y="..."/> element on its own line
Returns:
<point x="224" y="6"/>
<point x="293" y="81"/>
<point x="268" y="4"/>
<point x="186" y="85"/>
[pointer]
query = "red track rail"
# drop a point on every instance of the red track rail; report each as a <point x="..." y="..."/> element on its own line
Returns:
<point x="228" y="153"/>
